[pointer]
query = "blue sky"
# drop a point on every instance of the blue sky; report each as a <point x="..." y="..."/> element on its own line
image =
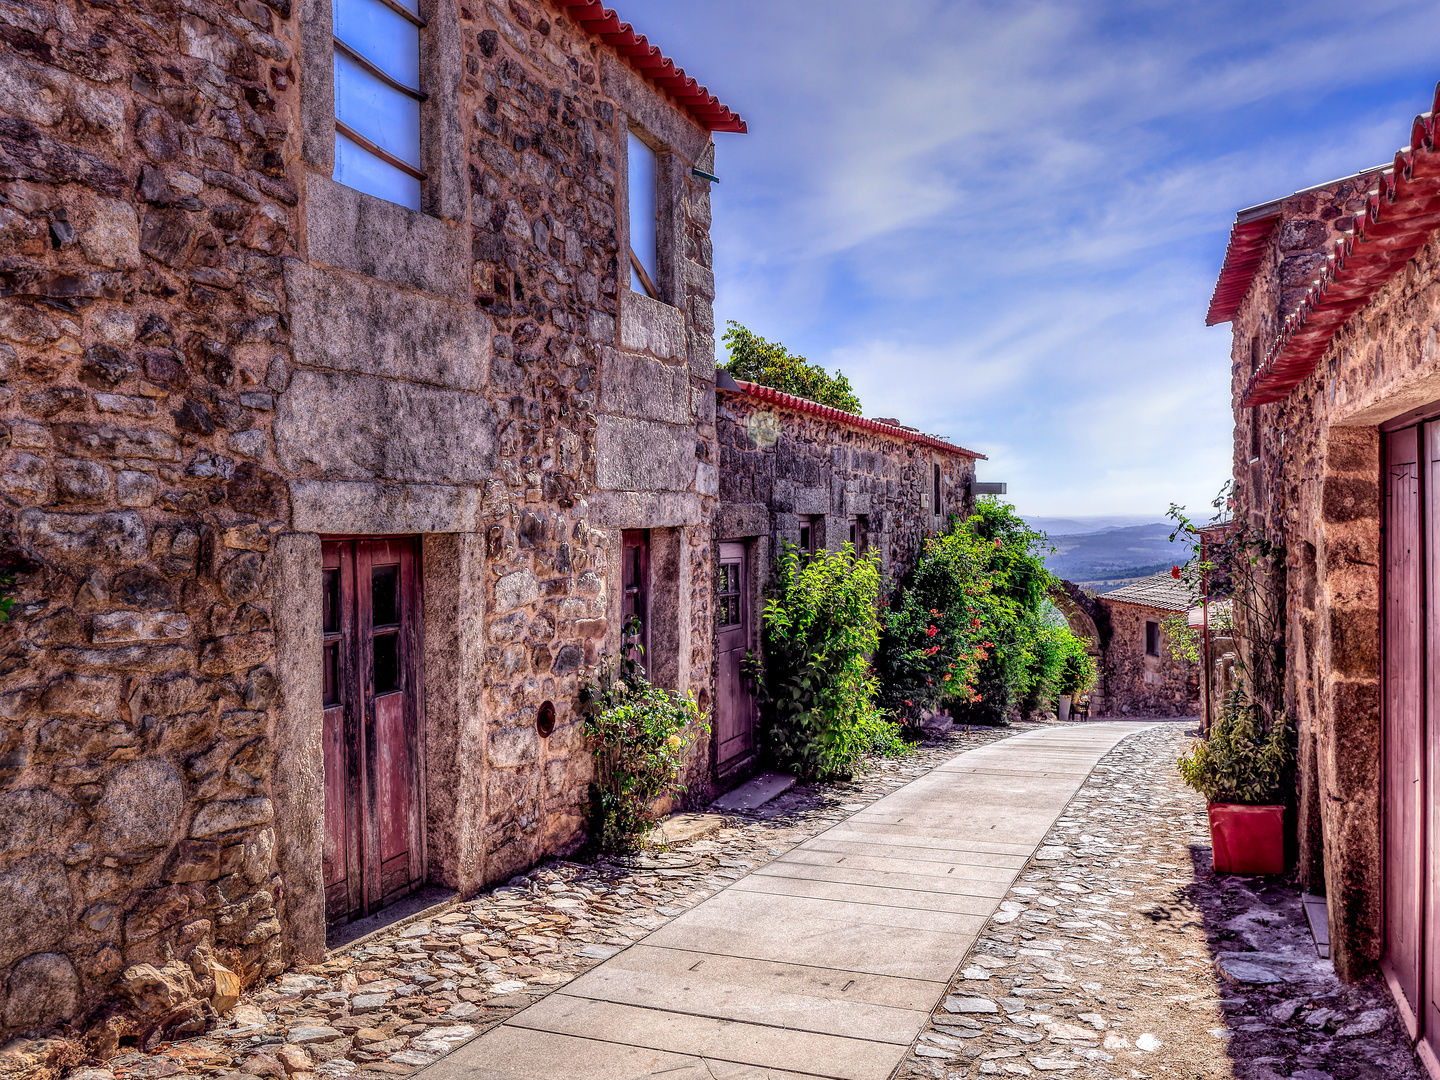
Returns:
<point x="1003" y="221"/>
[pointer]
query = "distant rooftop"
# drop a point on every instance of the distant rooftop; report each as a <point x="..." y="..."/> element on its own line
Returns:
<point x="1161" y="591"/>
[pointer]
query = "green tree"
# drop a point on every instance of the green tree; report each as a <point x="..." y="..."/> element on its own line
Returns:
<point x="769" y="363"/>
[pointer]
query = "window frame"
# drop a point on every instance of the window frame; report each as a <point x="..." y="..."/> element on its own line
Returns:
<point x="1152" y="628"/>
<point x="669" y="198"/>
<point x="444" y="194"/>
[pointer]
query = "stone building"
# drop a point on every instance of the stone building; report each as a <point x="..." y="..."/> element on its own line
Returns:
<point x="1334" y="297"/>
<point x="358" y="382"/>
<point x="1138" y="676"/>
<point x="793" y="471"/>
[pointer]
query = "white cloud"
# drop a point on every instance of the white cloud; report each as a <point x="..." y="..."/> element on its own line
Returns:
<point x="1003" y="222"/>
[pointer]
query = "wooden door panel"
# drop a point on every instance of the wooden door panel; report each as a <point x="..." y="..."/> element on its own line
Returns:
<point x="1402" y="724"/>
<point x="1429" y="1021"/>
<point x="392" y="776"/>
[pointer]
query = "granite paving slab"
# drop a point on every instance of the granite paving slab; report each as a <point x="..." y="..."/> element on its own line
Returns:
<point x="747" y="979"/>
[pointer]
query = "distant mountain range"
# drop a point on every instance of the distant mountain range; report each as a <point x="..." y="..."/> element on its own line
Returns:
<point x="1080" y="526"/>
<point x="1108" y="557"/>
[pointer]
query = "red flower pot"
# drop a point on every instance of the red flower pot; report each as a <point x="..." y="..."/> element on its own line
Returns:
<point x="1247" y="839"/>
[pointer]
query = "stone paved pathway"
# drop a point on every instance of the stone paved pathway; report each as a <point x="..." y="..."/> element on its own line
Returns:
<point x="392" y="1003"/>
<point x="824" y="962"/>
<point x="1102" y="963"/>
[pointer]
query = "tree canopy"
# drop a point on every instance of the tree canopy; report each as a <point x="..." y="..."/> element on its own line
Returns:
<point x="769" y="363"/>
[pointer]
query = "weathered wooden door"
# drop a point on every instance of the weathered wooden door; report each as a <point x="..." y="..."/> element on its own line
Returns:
<point x="1429" y="823"/>
<point x="735" y="705"/>
<point x="374" y="850"/>
<point x="1403" y="787"/>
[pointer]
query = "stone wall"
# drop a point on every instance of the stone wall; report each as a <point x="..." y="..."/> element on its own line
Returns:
<point x="1307" y="472"/>
<point x="823" y="468"/>
<point x="1133" y="683"/>
<point x="213" y="355"/>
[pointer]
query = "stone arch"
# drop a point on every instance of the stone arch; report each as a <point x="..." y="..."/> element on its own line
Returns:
<point x="1083" y="612"/>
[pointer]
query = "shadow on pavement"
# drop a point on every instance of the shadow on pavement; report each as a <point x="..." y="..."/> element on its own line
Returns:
<point x="1286" y="1013"/>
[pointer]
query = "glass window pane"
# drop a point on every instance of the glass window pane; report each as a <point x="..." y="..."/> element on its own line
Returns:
<point x="642" y="209"/>
<point x="381" y="113"/>
<point x="363" y="171"/>
<point x="386" y="39"/>
<point x="387" y="663"/>
<point x="385" y="596"/>
<point x="331" y="623"/>
<point x="332" y="674"/>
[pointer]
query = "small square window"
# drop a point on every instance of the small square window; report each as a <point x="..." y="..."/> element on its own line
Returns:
<point x="1152" y="638"/>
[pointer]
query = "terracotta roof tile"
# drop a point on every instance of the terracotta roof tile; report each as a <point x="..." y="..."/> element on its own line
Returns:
<point x="652" y="64"/>
<point x="772" y="396"/>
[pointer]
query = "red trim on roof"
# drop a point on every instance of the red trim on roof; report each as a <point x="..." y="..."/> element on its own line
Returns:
<point x="1404" y="210"/>
<point x="1242" y="258"/>
<point x="594" y="18"/>
<point x="772" y="396"/>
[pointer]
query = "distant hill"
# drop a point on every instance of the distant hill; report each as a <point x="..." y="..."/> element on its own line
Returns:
<point x="1085" y="524"/>
<point x="1109" y="558"/>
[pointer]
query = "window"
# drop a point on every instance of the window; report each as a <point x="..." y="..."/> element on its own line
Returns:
<point x="377" y="98"/>
<point x="859" y="532"/>
<point x="1152" y="638"/>
<point x="936" y="499"/>
<point x="811" y="529"/>
<point x="643" y="233"/>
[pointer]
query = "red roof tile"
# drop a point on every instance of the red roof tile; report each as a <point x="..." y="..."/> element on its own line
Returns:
<point x="771" y="396"/>
<point x="1242" y="257"/>
<point x="1404" y="210"/>
<point x="705" y="107"/>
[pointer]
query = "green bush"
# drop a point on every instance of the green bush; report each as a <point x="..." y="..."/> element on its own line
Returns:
<point x="639" y="734"/>
<point x="1241" y="762"/>
<point x="817" y="693"/>
<point x="769" y="363"/>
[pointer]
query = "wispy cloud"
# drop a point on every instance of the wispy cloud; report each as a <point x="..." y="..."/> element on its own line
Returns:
<point x="1003" y="221"/>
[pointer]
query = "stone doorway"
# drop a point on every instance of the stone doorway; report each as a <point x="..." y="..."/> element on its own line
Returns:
<point x="374" y="842"/>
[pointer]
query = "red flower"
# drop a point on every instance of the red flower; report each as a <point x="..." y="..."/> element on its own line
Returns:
<point x="1175" y="572"/>
<point x="910" y="703"/>
<point x="974" y="622"/>
<point x="933" y="611"/>
<point x="932" y="631"/>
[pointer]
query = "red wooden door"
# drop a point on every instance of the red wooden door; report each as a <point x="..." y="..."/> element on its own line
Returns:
<point x="735" y="705"/>
<point x="374" y="808"/>
<point x="1403" y="789"/>
<point x="1429" y="1022"/>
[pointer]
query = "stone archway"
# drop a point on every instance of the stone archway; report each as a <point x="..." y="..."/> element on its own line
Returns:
<point x="1088" y="620"/>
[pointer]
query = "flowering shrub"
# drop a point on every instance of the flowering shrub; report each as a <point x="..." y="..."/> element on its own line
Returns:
<point x="639" y="734"/>
<point x="971" y="627"/>
<point x="817" y="692"/>
<point x="935" y="631"/>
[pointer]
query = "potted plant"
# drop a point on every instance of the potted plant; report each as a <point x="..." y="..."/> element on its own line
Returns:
<point x="1077" y="675"/>
<point x="1242" y="770"/>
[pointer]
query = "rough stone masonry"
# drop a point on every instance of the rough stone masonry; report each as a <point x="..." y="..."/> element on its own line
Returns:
<point x="213" y="355"/>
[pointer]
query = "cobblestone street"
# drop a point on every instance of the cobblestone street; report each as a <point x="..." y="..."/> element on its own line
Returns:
<point x="1117" y="954"/>
<point x="1102" y="962"/>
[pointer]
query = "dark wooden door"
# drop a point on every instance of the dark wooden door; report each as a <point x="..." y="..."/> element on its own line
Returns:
<point x="374" y="791"/>
<point x="1403" y="788"/>
<point x="735" y="705"/>
<point x="635" y="584"/>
